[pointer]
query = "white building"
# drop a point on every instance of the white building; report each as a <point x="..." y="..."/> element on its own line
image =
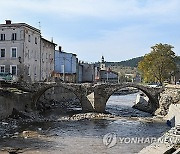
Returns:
<point x="47" y="59"/>
<point x="20" y="51"/>
<point x="104" y="73"/>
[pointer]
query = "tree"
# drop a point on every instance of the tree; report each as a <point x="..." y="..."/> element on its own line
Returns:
<point x="159" y="64"/>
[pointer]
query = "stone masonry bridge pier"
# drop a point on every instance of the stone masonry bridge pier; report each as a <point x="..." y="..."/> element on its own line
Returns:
<point x="93" y="97"/>
<point x="102" y="92"/>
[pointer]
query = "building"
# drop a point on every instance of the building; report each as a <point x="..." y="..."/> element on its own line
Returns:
<point x="80" y="73"/>
<point x="88" y="72"/>
<point x="65" y="66"/>
<point x="104" y="73"/>
<point x="47" y="59"/>
<point x="102" y="64"/>
<point x="108" y="76"/>
<point x="21" y="49"/>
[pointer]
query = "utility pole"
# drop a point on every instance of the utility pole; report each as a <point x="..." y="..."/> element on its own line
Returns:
<point x="107" y="75"/>
<point x="64" y="70"/>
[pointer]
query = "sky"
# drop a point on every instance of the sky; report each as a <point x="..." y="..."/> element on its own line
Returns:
<point x="117" y="29"/>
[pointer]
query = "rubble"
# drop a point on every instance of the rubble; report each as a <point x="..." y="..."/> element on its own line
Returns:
<point x="168" y="97"/>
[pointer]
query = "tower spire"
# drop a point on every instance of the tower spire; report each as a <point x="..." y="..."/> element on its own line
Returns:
<point x="102" y="59"/>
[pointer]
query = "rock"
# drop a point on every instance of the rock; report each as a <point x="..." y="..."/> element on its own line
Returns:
<point x="16" y="133"/>
<point x="19" y="114"/>
<point x="168" y="97"/>
<point x="142" y="103"/>
<point x="39" y="129"/>
<point x="4" y="123"/>
<point x="30" y="134"/>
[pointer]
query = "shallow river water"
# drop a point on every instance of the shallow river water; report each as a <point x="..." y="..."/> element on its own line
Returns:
<point x="88" y="136"/>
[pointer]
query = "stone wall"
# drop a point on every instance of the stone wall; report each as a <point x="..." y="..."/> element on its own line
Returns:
<point x="58" y="95"/>
<point x="10" y="101"/>
<point x="169" y="105"/>
<point x="174" y="114"/>
<point x="171" y="95"/>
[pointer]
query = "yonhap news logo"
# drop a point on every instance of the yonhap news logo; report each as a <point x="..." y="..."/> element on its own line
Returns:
<point x="111" y="139"/>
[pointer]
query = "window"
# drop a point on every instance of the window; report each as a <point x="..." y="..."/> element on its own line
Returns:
<point x="28" y="70"/>
<point x="3" y="37"/>
<point x="35" y="40"/>
<point x="28" y="54"/>
<point x="14" y="35"/>
<point x="14" y="52"/>
<point x="42" y="57"/>
<point x="35" y="54"/>
<point x="13" y="69"/>
<point x="2" y="68"/>
<point x="29" y="38"/>
<point x="35" y="70"/>
<point x="2" y="54"/>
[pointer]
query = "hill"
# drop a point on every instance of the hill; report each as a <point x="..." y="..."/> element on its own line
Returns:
<point x="127" y="63"/>
<point x="133" y="62"/>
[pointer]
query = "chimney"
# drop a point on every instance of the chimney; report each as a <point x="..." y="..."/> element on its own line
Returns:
<point x="60" y="48"/>
<point x="52" y="39"/>
<point x="8" y="21"/>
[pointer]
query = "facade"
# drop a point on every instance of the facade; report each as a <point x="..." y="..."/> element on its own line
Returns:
<point x="80" y="73"/>
<point x="104" y="73"/>
<point x="102" y="64"/>
<point x="47" y="59"/>
<point x="88" y="72"/>
<point x="65" y="66"/>
<point x="108" y="76"/>
<point x="20" y="51"/>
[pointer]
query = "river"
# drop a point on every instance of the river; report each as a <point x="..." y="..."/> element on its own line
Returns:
<point x="87" y="136"/>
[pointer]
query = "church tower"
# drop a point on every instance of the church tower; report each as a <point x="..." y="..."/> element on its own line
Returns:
<point x="102" y="64"/>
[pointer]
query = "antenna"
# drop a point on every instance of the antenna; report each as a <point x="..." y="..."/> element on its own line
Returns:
<point x="39" y="25"/>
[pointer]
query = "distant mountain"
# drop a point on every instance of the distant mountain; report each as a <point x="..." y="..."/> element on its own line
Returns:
<point x="133" y="62"/>
<point x="127" y="63"/>
<point x="178" y="60"/>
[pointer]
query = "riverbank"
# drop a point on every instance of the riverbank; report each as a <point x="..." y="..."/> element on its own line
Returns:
<point x="169" y="143"/>
<point x="78" y="132"/>
<point x="169" y="109"/>
<point x="64" y="131"/>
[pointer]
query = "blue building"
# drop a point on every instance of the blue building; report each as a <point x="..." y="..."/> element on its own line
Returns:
<point x="65" y="65"/>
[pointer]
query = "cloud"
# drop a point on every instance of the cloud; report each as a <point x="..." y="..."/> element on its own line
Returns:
<point x="121" y="44"/>
<point x="105" y="9"/>
<point x="119" y="29"/>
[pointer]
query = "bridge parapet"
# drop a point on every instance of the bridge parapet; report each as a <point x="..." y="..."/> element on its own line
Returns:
<point x="93" y="97"/>
<point x="102" y="92"/>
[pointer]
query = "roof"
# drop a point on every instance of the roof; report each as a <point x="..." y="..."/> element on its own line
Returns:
<point x="20" y="25"/>
<point x="66" y="52"/>
<point x="48" y="41"/>
<point x="109" y="71"/>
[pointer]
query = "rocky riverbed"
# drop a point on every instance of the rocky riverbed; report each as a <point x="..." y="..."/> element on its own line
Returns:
<point x="167" y="144"/>
<point x="69" y="130"/>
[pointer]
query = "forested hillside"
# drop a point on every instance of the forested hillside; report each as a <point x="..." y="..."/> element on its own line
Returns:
<point x="127" y="63"/>
<point x="132" y="62"/>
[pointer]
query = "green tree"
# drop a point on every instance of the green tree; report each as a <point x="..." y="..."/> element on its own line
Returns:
<point x="159" y="64"/>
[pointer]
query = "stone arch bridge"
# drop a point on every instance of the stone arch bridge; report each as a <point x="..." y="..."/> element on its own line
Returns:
<point x="93" y="97"/>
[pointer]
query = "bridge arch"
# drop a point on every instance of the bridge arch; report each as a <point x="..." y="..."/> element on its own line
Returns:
<point x="37" y="95"/>
<point x="117" y="88"/>
<point x="106" y="90"/>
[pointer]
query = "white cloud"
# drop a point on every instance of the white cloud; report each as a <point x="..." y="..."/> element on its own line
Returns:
<point x="131" y="40"/>
<point x="121" y="44"/>
<point x="95" y="8"/>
